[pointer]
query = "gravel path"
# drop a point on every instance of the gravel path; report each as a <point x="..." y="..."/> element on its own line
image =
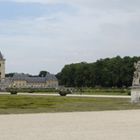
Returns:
<point x="70" y="95"/>
<point x="108" y="125"/>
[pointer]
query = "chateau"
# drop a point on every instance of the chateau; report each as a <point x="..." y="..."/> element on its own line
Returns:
<point x="24" y="80"/>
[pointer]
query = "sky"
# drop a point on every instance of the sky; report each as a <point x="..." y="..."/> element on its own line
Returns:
<point x="40" y="35"/>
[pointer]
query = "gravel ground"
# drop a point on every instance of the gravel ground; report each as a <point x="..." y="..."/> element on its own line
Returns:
<point x="106" y="125"/>
<point x="71" y="95"/>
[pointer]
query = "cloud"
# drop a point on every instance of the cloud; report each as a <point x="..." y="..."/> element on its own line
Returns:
<point x="102" y="4"/>
<point x="16" y="10"/>
<point x="96" y="29"/>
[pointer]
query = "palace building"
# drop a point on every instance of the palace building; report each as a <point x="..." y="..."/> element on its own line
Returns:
<point x="24" y="80"/>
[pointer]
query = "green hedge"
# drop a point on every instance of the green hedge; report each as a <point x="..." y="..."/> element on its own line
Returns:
<point x="31" y="90"/>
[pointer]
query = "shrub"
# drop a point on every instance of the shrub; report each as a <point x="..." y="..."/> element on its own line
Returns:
<point x="129" y="92"/>
<point x="14" y="92"/>
<point x="62" y="93"/>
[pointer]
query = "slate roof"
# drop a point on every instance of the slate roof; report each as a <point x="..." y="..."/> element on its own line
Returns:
<point x="33" y="79"/>
<point x="50" y="77"/>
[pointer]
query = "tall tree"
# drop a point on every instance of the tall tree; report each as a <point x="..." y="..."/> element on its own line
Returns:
<point x="109" y="72"/>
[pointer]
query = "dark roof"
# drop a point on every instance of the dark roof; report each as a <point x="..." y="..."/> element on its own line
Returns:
<point x="50" y="77"/>
<point x="19" y="76"/>
<point x="26" y="77"/>
<point x="1" y="56"/>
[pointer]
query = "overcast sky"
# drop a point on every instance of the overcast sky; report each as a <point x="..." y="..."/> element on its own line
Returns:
<point x="47" y="34"/>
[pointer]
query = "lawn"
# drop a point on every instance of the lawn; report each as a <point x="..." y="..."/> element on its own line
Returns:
<point x="12" y="104"/>
<point x="104" y="91"/>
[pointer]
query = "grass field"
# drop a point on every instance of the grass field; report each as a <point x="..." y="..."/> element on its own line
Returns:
<point x="104" y="91"/>
<point x="12" y="104"/>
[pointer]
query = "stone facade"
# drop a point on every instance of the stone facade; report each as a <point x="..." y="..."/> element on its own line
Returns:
<point x="25" y="81"/>
<point x="2" y="67"/>
<point x="135" y="94"/>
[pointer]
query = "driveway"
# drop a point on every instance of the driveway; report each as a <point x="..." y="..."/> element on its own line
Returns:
<point x="106" y="125"/>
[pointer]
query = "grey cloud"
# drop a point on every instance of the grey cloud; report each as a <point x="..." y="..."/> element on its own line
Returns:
<point x="99" y="29"/>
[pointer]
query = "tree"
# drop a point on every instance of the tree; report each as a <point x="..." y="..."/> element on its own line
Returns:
<point x="109" y="72"/>
<point x="9" y="74"/>
<point x="43" y="73"/>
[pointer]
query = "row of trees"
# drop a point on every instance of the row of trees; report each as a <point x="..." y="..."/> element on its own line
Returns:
<point x="109" y="72"/>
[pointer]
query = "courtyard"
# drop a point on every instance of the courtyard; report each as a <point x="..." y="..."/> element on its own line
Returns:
<point x="104" y="125"/>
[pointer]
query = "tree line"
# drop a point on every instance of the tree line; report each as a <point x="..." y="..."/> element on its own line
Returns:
<point x="108" y="72"/>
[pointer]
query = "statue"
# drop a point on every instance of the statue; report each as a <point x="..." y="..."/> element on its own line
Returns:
<point x="136" y="77"/>
<point x="135" y="89"/>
